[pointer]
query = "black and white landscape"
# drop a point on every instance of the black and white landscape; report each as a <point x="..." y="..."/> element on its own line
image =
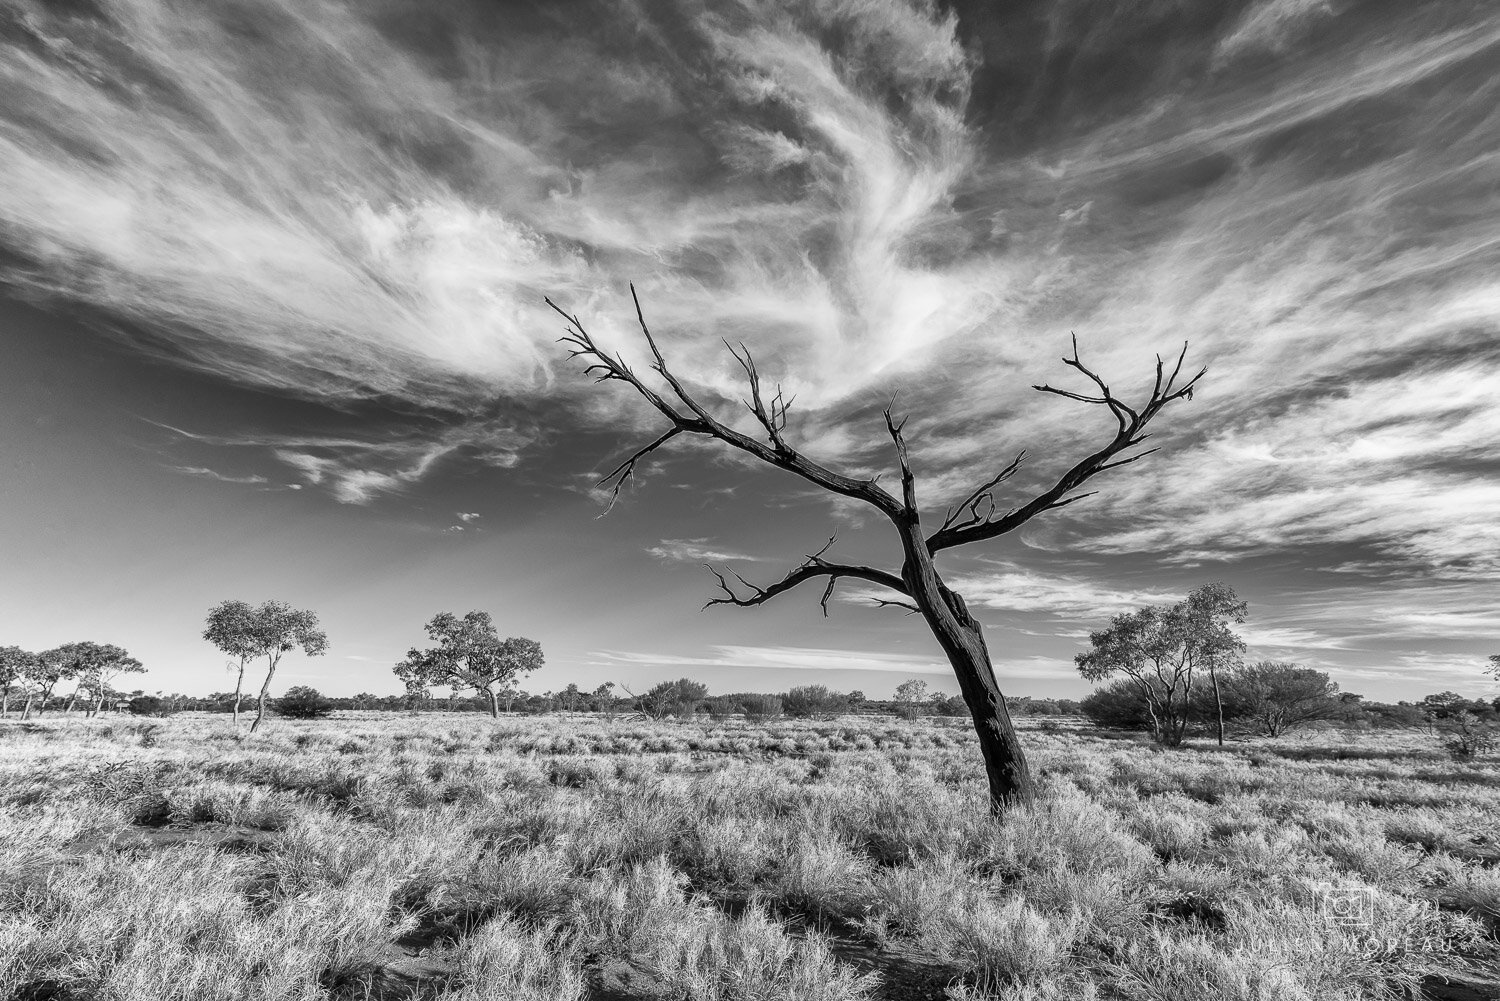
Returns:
<point x="1079" y="419"/>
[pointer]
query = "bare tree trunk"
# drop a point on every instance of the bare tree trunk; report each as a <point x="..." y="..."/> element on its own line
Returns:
<point x="1005" y="766"/>
<point x="5" y="704"/>
<point x="26" y="712"/>
<point x="962" y="638"/>
<point x="265" y="690"/>
<point x="72" y="701"/>
<point x="494" y="704"/>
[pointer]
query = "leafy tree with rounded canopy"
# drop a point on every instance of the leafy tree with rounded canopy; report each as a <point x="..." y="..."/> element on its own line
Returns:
<point x="469" y="654"/>
<point x="232" y="627"/>
<point x="17" y="670"/>
<point x="271" y="630"/>
<point x="52" y="667"/>
<point x="1160" y="650"/>
<point x="1280" y="696"/>
<point x="96" y="666"/>
<point x="1205" y="616"/>
<point x="917" y="585"/>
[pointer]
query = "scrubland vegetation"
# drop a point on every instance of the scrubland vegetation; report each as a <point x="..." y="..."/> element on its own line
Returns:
<point x="392" y="856"/>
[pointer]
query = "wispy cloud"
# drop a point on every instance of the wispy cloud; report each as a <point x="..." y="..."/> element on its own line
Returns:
<point x="694" y="551"/>
<point x="213" y="474"/>
<point x="872" y="195"/>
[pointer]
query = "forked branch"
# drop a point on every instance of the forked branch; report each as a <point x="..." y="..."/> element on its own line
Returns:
<point x="813" y="567"/>
<point x="688" y="415"/>
<point x="977" y="517"/>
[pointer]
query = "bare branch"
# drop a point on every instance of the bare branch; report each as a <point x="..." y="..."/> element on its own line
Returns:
<point x="626" y="469"/>
<point x="975" y="518"/>
<point x="811" y="568"/>
<point x="984" y="492"/>
<point x="908" y="481"/>
<point x="910" y="608"/>
<point x="692" y="417"/>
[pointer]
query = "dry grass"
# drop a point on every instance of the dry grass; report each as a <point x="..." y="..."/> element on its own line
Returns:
<point x="455" y="857"/>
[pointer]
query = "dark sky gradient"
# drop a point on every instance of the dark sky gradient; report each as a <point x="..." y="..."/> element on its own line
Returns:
<point x="270" y="307"/>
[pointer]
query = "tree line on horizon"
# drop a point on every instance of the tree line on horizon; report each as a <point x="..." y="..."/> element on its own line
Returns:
<point x="1153" y="659"/>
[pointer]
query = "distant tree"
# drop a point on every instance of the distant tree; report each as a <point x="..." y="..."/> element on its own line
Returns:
<point x="52" y="667"/>
<point x="814" y="701"/>
<point x="302" y="702"/>
<point x="1494" y="668"/>
<point x="1205" y="617"/>
<point x="1161" y="649"/>
<point x="1445" y="704"/>
<point x="856" y="700"/>
<point x="1280" y="696"/>
<point x="234" y="627"/>
<point x="672" y="698"/>
<point x="571" y="698"/>
<point x="1148" y="647"/>
<point x="95" y="666"/>
<point x="917" y="585"/>
<point x="602" y="699"/>
<point x="364" y="700"/>
<point x="17" y="670"/>
<point x="911" y="698"/>
<point x="468" y="653"/>
<point x="282" y="629"/>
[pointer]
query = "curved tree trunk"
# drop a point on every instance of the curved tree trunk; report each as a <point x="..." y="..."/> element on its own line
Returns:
<point x="962" y="638"/>
<point x="265" y="690"/>
<point x="494" y="704"/>
<point x="1005" y="765"/>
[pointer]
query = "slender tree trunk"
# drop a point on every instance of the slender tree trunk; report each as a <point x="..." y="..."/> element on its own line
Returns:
<point x="1213" y="676"/>
<point x="72" y="701"/>
<point x="494" y="704"/>
<point x="265" y="690"/>
<point x="26" y="712"/>
<point x="5" y="703"/>
<point x="239" y="686"/>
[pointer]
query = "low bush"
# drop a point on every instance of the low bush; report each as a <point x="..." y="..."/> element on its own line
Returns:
<point x="302" y="702"/>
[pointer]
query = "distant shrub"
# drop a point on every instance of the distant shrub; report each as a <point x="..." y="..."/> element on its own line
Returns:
<point x="721" y="707"/>
<point x="1469" y="736"/>
<point x="949" y="705"/>
<point x="302" y="702"/>
<point x="150" y="705"/>
<point x="1118" y="706"/>
<point x="761" y="706"/>
<point x="814" y="701"/>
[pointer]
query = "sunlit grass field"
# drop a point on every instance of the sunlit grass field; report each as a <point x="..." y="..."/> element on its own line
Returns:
<point x="457" y="857"/>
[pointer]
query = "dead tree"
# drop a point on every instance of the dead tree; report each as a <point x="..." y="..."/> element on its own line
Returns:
<point x="917" y="585"/>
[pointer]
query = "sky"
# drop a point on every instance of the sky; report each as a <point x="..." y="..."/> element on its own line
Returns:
<point x="272" y="322"/>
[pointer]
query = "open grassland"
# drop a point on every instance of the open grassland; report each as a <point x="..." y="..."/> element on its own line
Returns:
<point x="462" y="858"/>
